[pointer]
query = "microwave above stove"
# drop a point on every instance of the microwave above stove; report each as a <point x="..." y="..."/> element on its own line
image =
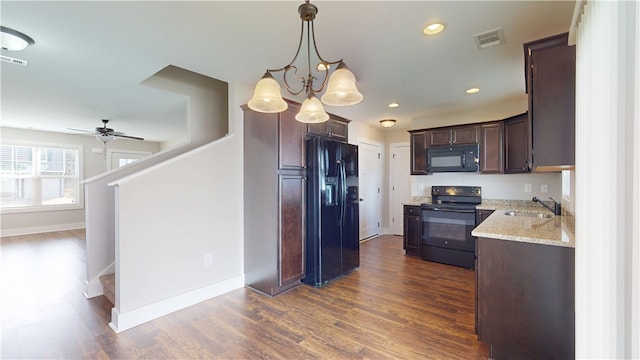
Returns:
<point x="455" y="158"/>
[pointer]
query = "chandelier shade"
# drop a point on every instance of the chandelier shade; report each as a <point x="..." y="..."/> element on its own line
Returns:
<point x="267" y="97"/>
<point x="340" y="87"/>
<point x="312" y="111"/>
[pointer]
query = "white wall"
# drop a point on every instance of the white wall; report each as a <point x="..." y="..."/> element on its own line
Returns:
<point x="494" y="186"/>
<point x="517" y="104"/>
<point x="207" y="115"/>
<point x="93" y="164"/>
<point x="171" y="215"/>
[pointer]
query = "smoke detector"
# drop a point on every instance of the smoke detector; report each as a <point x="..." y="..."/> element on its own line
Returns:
<point x="489" y="38"/>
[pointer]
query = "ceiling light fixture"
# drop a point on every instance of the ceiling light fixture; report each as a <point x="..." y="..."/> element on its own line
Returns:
<point x="394" y="105"/>
<point x="14" y="40"/>
<point x="472" y="90"/>
<point x="105" y="138"/>
<point x="387" y="123"/>
<point x="341" y="85"/>
<point x="433" y="29"/>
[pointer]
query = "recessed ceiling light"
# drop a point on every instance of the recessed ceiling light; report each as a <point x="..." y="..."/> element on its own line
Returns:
<point x="394" y="105"/>
<point x="433" y="29"/>
<point x="472" y="90"/>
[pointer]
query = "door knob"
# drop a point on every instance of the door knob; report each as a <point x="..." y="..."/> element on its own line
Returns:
<point x="361" y="199"/>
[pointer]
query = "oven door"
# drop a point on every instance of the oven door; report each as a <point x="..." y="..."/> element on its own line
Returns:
<point x="448" y="228"/>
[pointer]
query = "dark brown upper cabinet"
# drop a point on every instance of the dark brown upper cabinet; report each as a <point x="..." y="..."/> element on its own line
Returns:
<point x="291" y="134"/>
<point x="336" y="128"/>
<point x="550" y="72"/>
<point x="492" y="148"/>
<point x="456" y="135"/>
<point x="418" y="148"/>
<point x="516" y="144"/>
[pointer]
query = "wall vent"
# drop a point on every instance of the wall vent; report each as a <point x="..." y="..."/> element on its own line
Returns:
<point x="489" y="38"/>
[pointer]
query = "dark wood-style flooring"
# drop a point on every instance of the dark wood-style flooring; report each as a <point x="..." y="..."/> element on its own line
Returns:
<point x="392" y="307"/>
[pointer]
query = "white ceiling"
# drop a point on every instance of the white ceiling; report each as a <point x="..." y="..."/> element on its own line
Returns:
<point x="90" y="57"/>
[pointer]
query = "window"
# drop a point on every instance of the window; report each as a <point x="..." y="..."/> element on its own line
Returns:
<point x="40" y="177"/>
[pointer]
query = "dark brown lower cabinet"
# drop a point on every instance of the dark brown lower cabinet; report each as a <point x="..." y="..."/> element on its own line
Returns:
<point x="525" y="299"/>
<point x="290" y="246"/>
<point x="482" y="215"/>
<point x="412" y="230"/>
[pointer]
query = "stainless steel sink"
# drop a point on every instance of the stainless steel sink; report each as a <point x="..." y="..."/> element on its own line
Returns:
<point x="527" y="214"/>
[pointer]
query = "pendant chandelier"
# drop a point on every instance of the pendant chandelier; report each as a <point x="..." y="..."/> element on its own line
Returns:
<point x="341" y="85"/>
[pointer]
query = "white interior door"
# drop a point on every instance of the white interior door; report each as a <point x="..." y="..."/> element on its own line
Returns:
<point x="369" y="167"/>
<point x="400" y="187"/>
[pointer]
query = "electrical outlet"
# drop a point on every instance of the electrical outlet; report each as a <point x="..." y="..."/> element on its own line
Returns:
<point x="527" y="188"/>
<point x="208" y="259"/>
<point x="544" y="188"/>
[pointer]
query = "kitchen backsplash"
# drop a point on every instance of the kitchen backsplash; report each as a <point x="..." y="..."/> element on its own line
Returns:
<point x="499" y="186"/>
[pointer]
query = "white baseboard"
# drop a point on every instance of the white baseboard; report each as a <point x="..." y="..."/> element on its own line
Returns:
<point x="94" y="286"/>
<point x="123" y="321"/>
<point x="41" y="229"/>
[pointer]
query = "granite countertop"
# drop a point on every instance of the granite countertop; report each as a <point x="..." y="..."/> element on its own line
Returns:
<point x="554" y="230"/>
<point x="418" y="200"/>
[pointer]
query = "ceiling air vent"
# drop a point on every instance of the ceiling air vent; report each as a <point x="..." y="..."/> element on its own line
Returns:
<point x="11" y="60"/>
<point x="489" y="38"/>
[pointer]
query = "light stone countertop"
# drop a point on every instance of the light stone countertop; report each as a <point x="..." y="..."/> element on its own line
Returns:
<point x="556" y="230"/>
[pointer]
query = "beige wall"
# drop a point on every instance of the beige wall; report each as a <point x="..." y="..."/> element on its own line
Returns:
<point x="92" y="164"/>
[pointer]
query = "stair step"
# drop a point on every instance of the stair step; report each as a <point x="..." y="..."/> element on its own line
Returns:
<point x="109" y="285"/>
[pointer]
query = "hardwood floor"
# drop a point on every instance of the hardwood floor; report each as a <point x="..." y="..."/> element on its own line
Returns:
<point x="391" y="307"/>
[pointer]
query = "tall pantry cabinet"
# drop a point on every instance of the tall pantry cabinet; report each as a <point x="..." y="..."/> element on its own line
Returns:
<point x="274" y="200"/>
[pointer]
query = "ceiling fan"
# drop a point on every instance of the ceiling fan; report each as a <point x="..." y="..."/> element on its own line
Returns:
<point x="105" y="134"/>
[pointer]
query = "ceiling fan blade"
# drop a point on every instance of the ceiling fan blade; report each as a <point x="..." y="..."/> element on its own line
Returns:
<point x="127" y="136"/>
<point x="82" y="130"/>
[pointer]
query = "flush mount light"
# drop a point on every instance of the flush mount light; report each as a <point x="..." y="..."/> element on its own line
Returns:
<point x="341" y="85"/>
<point x="14" y="40"/>
<point x="394" y="105"/>
<point x="472" y="90"/>
<point x="387" y="123"/>
<point x="433" y="29"/>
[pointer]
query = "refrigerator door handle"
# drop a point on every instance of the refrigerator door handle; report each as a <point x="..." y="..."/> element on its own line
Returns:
<point x="343" y="193"/>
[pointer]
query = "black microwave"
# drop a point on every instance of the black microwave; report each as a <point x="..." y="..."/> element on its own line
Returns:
<point x="456" y="158"/>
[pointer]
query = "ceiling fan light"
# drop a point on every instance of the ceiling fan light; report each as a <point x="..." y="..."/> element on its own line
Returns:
<point x="312" y="111"/>
<point x="267" y="97"/>
<point x="387" y="123"/>
<point x="341" y="89"/>
<point x="14" y="40"/>
<point x="104" y="138"/>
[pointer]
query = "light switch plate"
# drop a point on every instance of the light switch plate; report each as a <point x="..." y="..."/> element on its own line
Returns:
<point x="544" y="188"/>
<point x="527" y="188"/>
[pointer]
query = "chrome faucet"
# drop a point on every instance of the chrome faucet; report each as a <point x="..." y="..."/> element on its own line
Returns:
<point x="557" y="208"/>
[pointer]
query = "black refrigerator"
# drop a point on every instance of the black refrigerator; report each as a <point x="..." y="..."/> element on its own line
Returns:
<point x="332" y="227"/>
